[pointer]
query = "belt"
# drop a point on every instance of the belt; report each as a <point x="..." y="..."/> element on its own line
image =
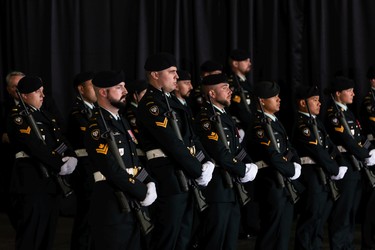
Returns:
<point x="307" y="160"/>
<point x="155" y="153"/>
<point x="341" y="149"/>
<point x="21" y="154"/>
<point x="81" y="152"/>
<point x="99" y="177"/>
<point x="140" y="152"/>
<point x="261" y="164"/>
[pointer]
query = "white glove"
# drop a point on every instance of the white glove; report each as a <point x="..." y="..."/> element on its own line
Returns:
<point x="64" y="168"/>
<point x="297" y="171"/>
<point x="69" y="165"/>
<point x="72" y="163"/>
<point x="250" y="173"/>
<point x="206" y="176"/>
<point x="370" y="161"/>
<point x="151" y="195"/>
<point x="241" y="133"/>
<point x="341" y="174"/>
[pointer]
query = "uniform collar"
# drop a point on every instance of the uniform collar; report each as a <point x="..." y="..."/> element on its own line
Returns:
<point x="307" y="114"/>
<point x="222" y="111"/>
<point x="272" y="117"/>
<point x="341" y="105"/>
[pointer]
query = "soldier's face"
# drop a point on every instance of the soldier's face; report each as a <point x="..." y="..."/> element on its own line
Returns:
<point x="168" y="79"/>
<point x="346" y="96"/>
<point x="244" y="66"/>
<point x="184" y="88"/>
<point x="88" y="92"/>
<point x="314" y="105"/>
<point x="35" y="98"/>
<point x="272" y="104"/>
<point x="12" y="86"/>
<point x="117" y="95"/>
<point x="223" y="94"/>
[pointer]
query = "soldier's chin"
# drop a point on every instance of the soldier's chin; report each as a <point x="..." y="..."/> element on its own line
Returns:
<point x="118" y="104"/>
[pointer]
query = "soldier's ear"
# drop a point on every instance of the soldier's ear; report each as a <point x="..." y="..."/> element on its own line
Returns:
<point x="302" y="103"/>
<point x="154" y="74"/>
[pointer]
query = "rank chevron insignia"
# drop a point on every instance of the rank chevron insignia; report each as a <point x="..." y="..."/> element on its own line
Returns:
<point x="213" y="136"/>
<point x="266" y="143"/>
<point x="340" y="129"/>
<point x="103" y="149"/>
<point x="26" y="131"/>
<point x="162" y="124"/>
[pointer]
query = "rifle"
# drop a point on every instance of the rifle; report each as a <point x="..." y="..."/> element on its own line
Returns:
<point x="143" y="220"/>
<point x="243" y="196"/>
<point x="242" y="94"/>
<point x="283" y="182"/>
<point x="64" y="186"/>
<point x="358" y="165"/>
<point x="200" y="200"/>
<point x="331" y="185"/>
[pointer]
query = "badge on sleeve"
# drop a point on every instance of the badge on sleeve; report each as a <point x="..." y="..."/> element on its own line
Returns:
<point x="95" y="134"/>
<point x="18" y="120"/>
<point x="260" y="133"/>
<point x="206" y="125"/>
<point x="335" y="121"/>
<point x="154" y="110"/>
<point x="306" y="131"/>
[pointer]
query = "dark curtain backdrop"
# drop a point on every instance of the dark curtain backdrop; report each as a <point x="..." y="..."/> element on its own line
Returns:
<point x="291" y="41"/>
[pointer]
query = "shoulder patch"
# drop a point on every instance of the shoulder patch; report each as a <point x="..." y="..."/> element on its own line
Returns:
<point x="206" y="125"/>
<point x="260" y="133"/>
<point x="306" y="131"/>
<point x="154" y="110"/>
<point x="95" y="134"/>
<point x="18" y="120"/>
<point x="335" y="121"/>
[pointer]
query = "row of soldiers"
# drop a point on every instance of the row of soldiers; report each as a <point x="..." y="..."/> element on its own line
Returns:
<point x="141" y="162"/>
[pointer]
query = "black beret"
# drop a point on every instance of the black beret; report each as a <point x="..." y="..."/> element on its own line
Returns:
<point x="266" y="89"/>
<point x="371" y="72"/>
<point x="214" y="79"/>
<point x="160" y="61"/>
<point x="209" y="66"/>
<point x="29" y="84"/>
<point x="107" y="79"/>
<point x="239" y="55"/>
<point x="341" y="83"/>
<point x="82" y="77"/>
<point x="183" y="75"/>
<point x="304" y="92"/>
<point x="136" y="86"/>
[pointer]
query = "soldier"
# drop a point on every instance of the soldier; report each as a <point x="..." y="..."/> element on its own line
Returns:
<point x="243" y="102"/>
<point x="121" y="183"/>
<point x="136" y="91"/>
<point x="82" y="179"/>
<point x="7" y="151"/>
<point x="221" y="221"/>
<point x="279" y="165"/>
<point x="173" y="153"/>
<point x="42" y="157"/>
<point x="207" y="68"/>
<point x="184" y="87"/>
<point x="322" y="163"/>
<point x="345" y="132"/>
